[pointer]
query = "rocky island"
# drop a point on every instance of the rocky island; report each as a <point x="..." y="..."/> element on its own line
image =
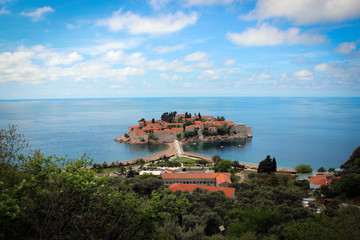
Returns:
<point x="185" y="128"/>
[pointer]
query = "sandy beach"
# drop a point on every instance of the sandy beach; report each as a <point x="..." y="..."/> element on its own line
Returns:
<point x="168" y="152"/>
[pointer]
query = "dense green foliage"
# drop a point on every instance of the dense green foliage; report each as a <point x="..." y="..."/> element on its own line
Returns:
<point x="267" y="165"/>
<point x="55" y="198"/>
<point x="349" y="184"/>
<point x="223" y="166"/>
<point x="191" y="134"/>
<point x="303" y="168"/>
<point x="168" y="117"/>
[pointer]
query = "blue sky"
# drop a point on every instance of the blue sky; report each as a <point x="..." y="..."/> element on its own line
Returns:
<point x="161" y="48"/>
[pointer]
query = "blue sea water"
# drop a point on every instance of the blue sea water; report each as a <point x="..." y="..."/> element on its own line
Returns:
<point x="315" y="131"/>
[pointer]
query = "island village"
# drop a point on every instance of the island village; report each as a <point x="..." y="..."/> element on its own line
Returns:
<point x="184" y="127"/>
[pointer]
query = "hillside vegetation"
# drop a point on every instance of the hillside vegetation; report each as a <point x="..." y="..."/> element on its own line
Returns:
<point x="46" y="197"/>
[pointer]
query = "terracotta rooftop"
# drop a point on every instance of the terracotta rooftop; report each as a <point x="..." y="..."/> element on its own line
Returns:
<point x="169" y="130"/>
<point x="322" y="179"/>
<point x="229" y="192"/>
<point x="220" y="177"/>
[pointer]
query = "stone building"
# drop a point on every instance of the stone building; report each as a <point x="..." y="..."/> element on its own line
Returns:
<point x="211" y="179"/>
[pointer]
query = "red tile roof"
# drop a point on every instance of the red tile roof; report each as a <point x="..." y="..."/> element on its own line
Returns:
<point x="322" y="179"/>
<point x="229" y="192"/>
<point x="169" y="130"/>
<point x="141" y="133"/>
<point x="230" y="123"/>
<point x="220" y="177"/>
<point x="319" y="176"/>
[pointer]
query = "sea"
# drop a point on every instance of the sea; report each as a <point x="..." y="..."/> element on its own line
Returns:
<point x="316" y="131"/>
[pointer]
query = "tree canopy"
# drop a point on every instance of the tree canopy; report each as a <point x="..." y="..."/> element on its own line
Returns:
<point x="303" y="168"/>
<point x="168" y="117"/>
<point x="267" y="165"/>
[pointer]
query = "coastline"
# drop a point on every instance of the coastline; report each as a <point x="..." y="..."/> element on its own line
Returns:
<point x="172" y="151"/>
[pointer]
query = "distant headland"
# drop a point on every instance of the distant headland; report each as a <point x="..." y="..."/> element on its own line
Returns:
<point x="185" y="128"/>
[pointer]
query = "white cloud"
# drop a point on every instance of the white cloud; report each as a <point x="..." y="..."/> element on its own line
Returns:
<point x="116" y="86"/>
<point x="166" y="49"/>
<point x="171" y="77"/>
<point x="267" y="35"/>
<point x="342" y="72"/>
<point x="50" y="57"/>
<point x="196" y="56"/>
<point x="209" y="74"/>
<point x="136" y="24"/>
<point x="70" y="26"/>
<point x="4" y="11"/>
<point x="189" y="85"/>
<point x="203" y="64"/>
<point x="103" y="47"/>
<point x="262" y="76"/>
<point x="208" y="2"/>
<point x="345" y="47"/>
<point x="323" y="67"/>
<point x="229" y="62"/>
<point x="38" y="64"/>
<point x="304" y="75"/>
<point x="38" y="14"/>
<point x="306" y="11"/>
<point x="139" y="60"/>
<point x="146" y="84"/>
<point x="158" y="4"/>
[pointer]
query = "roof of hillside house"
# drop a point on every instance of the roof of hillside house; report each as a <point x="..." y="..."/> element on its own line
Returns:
<point x="229" y="192"/>
<point x="322" y="179"/>
<point x="230" y="123"/>
<point x="166" y="123"/>
<point x="220" y="177"/>
<point x="181" y="115"/>
<point x="170" y="130"/>
<point x="141" y="133"/>
<point x="195" y="126"/>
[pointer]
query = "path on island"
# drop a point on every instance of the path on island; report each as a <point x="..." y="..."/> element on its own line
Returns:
<point x="178" y="148"/>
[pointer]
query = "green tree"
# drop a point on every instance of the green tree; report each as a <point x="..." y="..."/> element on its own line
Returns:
<point x="331" y="170"/>
<point x="255" y="220"/>
<point x="216" y="159"/>
<point x="11" y="145"/>
<point x="130" y="173"/>
<point x="303" y="168"/>
<point x="349" y="184"/>
<point x="223" y="166"/>
<point x="268" y="165"/>
<point x="321" y="169"/>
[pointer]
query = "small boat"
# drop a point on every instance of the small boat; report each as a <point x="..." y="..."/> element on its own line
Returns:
<point x="239" y="145"/>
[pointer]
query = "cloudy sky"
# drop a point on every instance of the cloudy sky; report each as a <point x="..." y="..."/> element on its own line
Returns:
<point x="161" y="48"/>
